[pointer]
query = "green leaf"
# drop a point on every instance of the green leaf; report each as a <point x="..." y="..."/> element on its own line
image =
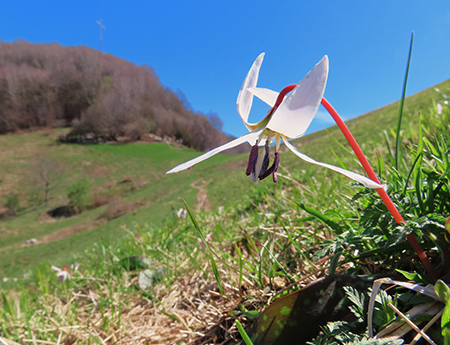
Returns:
<point x="415" y="277"/>
<point x="135" y="262"/>
<point x="446" y="337"/>
<point x="244" y="334"/>
<point x="358" y="300"/>
<point x="334" y="262"/>
<point x="445" y="320"/>
<point x="442" y="290"/>
<point x="319" y="215"/>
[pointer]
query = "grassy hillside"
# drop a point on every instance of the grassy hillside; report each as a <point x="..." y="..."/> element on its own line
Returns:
<point x="129" y="180"/>
<point x="217" y="266"/>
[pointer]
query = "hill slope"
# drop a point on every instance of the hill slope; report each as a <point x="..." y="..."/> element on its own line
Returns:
<point x="128" y="185"/>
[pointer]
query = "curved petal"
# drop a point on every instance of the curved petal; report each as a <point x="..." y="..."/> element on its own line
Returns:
<point x="63" y="276"/>
<point x="245" y="98"/>
<point x="295" y="113"/>
<point x="250" y="138"/>
<point x="266" y="95"/>
<point x="354" y="176"/>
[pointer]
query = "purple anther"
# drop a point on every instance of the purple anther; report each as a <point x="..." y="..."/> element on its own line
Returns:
<point x="266" y="173"/>
<point x="252" y="160"/>
<point x="276" y="163"/>
<point x="273" y="169"/>
<point x="265" y="162"/>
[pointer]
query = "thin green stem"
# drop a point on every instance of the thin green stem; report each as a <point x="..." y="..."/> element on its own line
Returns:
<point x="402" y="101"/>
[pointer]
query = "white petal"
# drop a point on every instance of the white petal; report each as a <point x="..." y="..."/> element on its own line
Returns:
<point x="250" y="138"/>
<point x="266" y="95"/>
<point x="295" y="113"/>
<point x="56" y="268"/>
<point x="63" y="276"/>
<point x="354" y="176"/>
<point x="245" y="98"/>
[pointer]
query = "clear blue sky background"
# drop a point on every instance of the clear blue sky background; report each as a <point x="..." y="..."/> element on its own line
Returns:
<point x="205" y="48"/>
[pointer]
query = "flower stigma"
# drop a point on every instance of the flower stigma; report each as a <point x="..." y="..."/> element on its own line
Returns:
<point x="265" y="162"/>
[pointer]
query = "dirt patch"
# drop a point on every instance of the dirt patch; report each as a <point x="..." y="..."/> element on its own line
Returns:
<point x="5" y="213"/>
<point x="55" y="236"/>
<point x="119" y="208"/>
<point x="46" y="218"/>
<point x="203" y="202"/>
<point x="100" y="199"/>
<point x="75" y="229"/>
<point x="100" y="171"/>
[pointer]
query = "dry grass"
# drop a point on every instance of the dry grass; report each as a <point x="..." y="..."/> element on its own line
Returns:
<point x="187" y="310"/>
<point x="191" y="311"/>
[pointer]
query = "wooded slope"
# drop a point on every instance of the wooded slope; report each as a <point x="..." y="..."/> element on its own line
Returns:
<point x="48" y="85"/>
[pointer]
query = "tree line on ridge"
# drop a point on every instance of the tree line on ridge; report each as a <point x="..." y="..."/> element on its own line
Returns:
<point x="96" y="94"/>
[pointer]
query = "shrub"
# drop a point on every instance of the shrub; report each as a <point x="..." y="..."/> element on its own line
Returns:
<point x="79" y="196"/>
<point x="12" y="203"/>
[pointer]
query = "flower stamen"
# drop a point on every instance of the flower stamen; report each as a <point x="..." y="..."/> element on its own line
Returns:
<point x="265" y="162"/>
<point x="273" y="169"/>
<point x="251" y="166"/>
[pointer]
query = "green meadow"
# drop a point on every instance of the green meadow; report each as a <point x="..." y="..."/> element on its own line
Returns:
<point x="265" y="237"/>
<point x="129" y="177"/>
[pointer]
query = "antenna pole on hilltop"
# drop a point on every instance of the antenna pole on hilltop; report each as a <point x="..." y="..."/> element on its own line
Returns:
<point x="100" y="24"/>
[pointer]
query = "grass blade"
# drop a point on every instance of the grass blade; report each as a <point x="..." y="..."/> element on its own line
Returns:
<point x="243" y="333"/>
<point x="319" y="215"/>
<point x="399" y="123"/>
<point x="203" y="238"/>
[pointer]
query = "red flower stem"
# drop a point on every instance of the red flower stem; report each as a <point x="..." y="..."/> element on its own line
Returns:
<point x="362" y="158"/>
<point x="384" y="196"/>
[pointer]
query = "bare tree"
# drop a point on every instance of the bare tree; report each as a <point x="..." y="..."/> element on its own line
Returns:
<point x="46" y="173"/>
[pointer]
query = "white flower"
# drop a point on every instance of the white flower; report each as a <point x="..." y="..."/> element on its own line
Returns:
<point x="63" y="274"/>
<point x="288" y="117"/>
<point x="208" y="238"/>
<point x="181" y="213"/>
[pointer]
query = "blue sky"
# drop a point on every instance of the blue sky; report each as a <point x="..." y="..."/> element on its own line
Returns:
<point x="205" y="48"/>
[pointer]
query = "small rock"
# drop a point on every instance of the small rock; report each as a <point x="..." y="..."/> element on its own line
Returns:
<point x="31" y="241"/>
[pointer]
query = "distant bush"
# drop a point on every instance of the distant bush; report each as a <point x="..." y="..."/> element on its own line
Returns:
<point x="79" y="196"/>
<point x="12" y="203"/>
